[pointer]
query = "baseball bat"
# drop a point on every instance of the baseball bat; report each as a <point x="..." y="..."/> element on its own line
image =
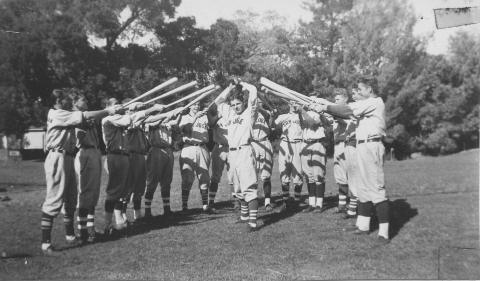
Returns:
<point x="156" y="89"/>
<point x="174" y="91"/>
<point x="199" y="98"/>
<point x="272" y="85"/>
<point x="285" y="95"/>
<point x="210" y="88"/>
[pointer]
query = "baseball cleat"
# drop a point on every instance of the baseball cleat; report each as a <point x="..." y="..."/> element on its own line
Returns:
<point x="240" y="220"/>
<point x="380" y="240"/>
<point x="210" y="210"/>
<point x="341" y="210"/>
<point x="251" y="228"/>
<point x="268" y="208"/>
<point x="319" y="209"/>
<point x="309" y="209"/>
<point x="50" y="251"/>
<point x="355" y="230"/>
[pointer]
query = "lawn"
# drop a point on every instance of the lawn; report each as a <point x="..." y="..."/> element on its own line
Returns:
<point x="435" y="233"/>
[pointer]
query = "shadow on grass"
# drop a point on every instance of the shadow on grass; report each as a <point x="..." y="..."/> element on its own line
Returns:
<point x="400" y="213"/>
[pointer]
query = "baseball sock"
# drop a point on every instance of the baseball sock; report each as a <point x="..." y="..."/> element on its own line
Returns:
<point x="165" y="192"/>
<point x="124" y="207"/>
<point x="82" y="223"/>
<point x="46" y="224"/>
<point x="298" y="192"/>
<point x="204" y="195"/>
<point x="68" y="220"/>
<point x="253" y="210"/>
<point x="285" y="191"/>
<point x="364" y="215"/>
<point x="352" y="206"/>
<point x="311" y="194"/>
<point x="319" y="193"/>
<point x="117" y="211"/>
<point x="91" y="222"/>
<point x="109" y="206"/>
<point x="342" y="195"/>
<point x="137" y="205"/>
<point x="148" y="207"/>
<point x="383" y="214"/>
<point x="267" y="189"/>
<point x="243" y="210"/>
<point x="185" y="194"/>
<point x="212" y="192"/>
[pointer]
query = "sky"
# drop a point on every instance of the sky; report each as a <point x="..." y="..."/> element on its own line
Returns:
<point x="206" y="12"/>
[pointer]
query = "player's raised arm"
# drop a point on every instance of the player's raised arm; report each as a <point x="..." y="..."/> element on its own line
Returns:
<point x="222" y="98"/>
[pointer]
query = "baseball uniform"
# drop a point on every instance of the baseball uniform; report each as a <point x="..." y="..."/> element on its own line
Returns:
<point x="61" y="194"/>
<point x="313" y="157"/>
<point x="88" y="168"/>
<point x="291" y="146"/>
<point x="194" y="157"/>
<point x="159" y="163"/>
<point x="263" y="151"/>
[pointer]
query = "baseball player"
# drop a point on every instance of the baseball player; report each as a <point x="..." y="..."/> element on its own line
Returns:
<point x="313" y="157"/>
<point x="370" y="113"/>
<point x="137" y="148"/>
<point x="160" y="158"/>
<point x="344" y="169"/>
<point x="241" y="115"/>
<point x="116" y="141"/>
<point x="289" y="161"/>
<point x="195" y="157"/>
<point x="219" y="155"/>
<point x="88" y="169"/>
<point x="61" y="191"/>
<point x="263" y="151"/>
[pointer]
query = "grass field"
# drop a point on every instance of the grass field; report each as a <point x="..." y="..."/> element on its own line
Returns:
<point x="435" y="234"/>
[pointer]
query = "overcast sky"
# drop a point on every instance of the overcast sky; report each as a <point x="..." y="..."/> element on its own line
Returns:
<point x="206" y="12"/>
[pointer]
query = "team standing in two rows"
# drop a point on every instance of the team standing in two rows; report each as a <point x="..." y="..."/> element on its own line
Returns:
<point x="140" y="157"/>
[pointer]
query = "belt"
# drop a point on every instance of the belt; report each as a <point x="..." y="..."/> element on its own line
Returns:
<point x="339" y="141"/>
<point x="194" y="144"/>
<point x="369" y="140"/>
<point x="136" y="152"/>
<point x="262" y="139"/>
<point x="351" y="142"/>
<point x="63" y="151"/>
<point x="292" y="141"/>
<point x="239" y="147"/>
<point x="88" y="147"/>
<point x="314" y="141"/>
<point x="118" y="152"/>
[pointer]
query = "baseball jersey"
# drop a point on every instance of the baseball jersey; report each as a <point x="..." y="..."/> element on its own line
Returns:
<point x="114" y="132"/>
<point x="260" y="130"/>
<point x="194" y="132"/>
<point x="371" y="117"/>
<point x="290" y="126"/>
<point x="312" y="126"/>
<point x="343" y="129"/>
<point x="87" y="135"/>
<point x="61" y="129"/>
<point x="160" y="133"/>
<point x="137" y="141"/>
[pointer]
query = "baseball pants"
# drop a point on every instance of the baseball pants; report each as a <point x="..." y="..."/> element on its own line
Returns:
<point x="195" y="160"/>
<point x="314" y="159"/>
<point x="290" y="163"/>
<point x="61" y="184"/>
<point x="159" y="169"/>
<point x="353" y="173"/>
<point x="243" y="168"/>
<point x="340" y="164"/>
<point x="137" y="175"/>
<point x="263" y="152"/>
<point x="88" y="168"/>
<point x="117" y="169"/>
<point x="371" y="185"/>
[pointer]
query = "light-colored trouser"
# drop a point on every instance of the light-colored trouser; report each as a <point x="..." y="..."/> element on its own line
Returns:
<point x="159" y="168"/>
<point x="195" y="160"/>
<point x="219" y="161"/>
<point x="340" y="164"/>
<point x="314" y="159"/>
<point x="117" y="169"/>
<point x="244" y="172"/>
<point x="61" y="184"/>
<point x="290" y="163"/>
<point x="263" y="152"/>
<point x="88" y="169"/>
<point x="137" y="175"/>
<point x="353" y="173"/>
<point x="370" y="165"/>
